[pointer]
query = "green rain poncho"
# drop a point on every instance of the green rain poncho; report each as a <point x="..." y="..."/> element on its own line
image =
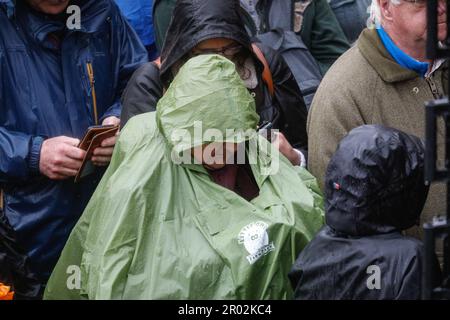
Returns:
<point x="155" y="229"/>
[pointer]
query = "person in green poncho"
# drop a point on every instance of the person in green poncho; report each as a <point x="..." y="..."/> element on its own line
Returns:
<point x="179" y="214"/>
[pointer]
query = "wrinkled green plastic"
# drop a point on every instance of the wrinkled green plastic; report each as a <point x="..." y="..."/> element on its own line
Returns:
<point x="159" y="230"/>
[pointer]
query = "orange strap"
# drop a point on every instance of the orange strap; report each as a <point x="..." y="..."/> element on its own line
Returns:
<point x="267" y="74"/>
<point x="1" y="199"/>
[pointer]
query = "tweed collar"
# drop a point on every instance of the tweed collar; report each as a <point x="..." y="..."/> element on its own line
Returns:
<point x="373" y="50"/>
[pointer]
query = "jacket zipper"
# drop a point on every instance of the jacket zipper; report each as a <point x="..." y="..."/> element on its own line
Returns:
<point x="433" y="87"/>
<point x="249" y="19"/>
<point x="292" y="16"/>
<point x="91" y="76"/>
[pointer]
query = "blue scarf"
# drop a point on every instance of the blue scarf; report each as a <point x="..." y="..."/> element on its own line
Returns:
<point x="400" y="57"/>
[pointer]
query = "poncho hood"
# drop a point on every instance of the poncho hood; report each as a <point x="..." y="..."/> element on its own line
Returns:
<point x="197" y="96"/>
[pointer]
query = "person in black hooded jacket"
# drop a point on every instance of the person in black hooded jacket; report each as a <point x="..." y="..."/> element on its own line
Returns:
<point x="197" y="23"/>
<point x="374" y="190"/>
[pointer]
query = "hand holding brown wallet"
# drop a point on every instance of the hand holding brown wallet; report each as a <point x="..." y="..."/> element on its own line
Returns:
<point x="92" y="140"/>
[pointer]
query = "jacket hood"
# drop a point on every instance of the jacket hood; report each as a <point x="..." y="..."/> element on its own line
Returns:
<point x="197" y="20"/>
<point x="206" y="94"/>
<point x="375" y="182"/>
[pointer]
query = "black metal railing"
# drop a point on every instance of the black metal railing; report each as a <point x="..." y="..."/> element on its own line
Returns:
<point x="437" y="286"/>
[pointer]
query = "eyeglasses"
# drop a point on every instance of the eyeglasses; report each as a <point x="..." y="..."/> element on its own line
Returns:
<point x="417" y="3"/>
<point x="229" y="51"/>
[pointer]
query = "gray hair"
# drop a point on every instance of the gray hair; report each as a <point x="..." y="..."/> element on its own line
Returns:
<point x="375" y="14"/>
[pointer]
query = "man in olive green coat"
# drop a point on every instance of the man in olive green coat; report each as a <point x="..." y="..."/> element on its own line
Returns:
<point x="385" y="79"/>
<point x="314" y="21"/>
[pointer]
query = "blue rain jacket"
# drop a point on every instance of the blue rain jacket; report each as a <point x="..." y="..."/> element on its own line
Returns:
<point x="45" y="92"/>
<point x="139" y="15"/>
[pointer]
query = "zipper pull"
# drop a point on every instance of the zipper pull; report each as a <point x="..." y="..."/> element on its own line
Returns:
<point x="90" y="71"/>
<point x="91" y="76"/>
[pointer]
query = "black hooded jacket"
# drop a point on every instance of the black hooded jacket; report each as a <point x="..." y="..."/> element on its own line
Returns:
<point x="374" y="190"/>
<point x="195" y="21"/>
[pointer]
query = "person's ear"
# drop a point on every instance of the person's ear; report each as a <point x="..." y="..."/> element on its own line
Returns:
<point x="386" y="10"/>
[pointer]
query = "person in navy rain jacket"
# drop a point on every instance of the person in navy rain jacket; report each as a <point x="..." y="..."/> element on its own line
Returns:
<point x="48" y="72"/>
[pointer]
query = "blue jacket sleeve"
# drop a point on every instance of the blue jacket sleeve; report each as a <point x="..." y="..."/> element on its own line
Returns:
<point x="131" y="54"/>
<point x="19" y="155"/>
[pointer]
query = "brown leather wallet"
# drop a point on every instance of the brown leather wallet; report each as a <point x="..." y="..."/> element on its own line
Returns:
<point x="93" y="139"/>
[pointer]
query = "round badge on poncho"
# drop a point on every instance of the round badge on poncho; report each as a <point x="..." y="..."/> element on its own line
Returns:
<point x="255" y="239"/>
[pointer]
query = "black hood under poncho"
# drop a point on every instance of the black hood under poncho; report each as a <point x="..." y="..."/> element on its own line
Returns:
<point x="195" y="21"/>
<point x="374" y="190"/>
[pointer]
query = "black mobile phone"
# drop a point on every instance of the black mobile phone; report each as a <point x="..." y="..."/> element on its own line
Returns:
<point x="266" y="130"/>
